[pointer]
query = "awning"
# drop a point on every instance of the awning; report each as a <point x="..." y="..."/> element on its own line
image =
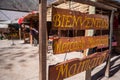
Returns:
<point x="27" y="18"/>
<point x="20" y="20"/>
<point x="34" y="15"/>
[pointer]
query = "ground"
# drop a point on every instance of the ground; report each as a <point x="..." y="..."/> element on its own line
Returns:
<point x="21" y="62"/>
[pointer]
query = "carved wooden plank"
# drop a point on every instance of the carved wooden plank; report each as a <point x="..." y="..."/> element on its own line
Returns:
<point x="67" y="44"/>
<point x="68" y="19"/>
<point x="74" y="66"/>
<point x="113" y="44"/>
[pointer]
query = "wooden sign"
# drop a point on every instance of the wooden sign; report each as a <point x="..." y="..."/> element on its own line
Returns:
<point x="67" y="44"/>
<point x="13" y="35"/>
<point x="75" y="66"/>
<point x="67" y="19"/>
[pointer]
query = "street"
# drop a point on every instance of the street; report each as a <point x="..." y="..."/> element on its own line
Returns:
<point x="19" y="61"/>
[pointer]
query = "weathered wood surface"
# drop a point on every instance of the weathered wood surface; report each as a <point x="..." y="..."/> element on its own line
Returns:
<point x="67" y="44"/>
<point x="42" y="39"/>
<point x="74" y="66"/>
<point x="107" y="72"/>
<point x="68" y="19"/>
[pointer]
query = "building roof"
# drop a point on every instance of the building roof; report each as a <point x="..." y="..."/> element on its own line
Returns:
<point x="113" y="3"/>
<point x="11" y="15"/>
<point x="19" y="5"/>
<point x="14" y="9"/>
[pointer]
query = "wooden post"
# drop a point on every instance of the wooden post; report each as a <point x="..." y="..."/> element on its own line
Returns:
<point x="19" y="33"/>
<point x="89" y="33"/>
<point x="24" y="32"/>
<point x="31" y="38"/>
<point x="30" y="35"/>
<point x="42" y="39"/>
<point x="107" y="73"/>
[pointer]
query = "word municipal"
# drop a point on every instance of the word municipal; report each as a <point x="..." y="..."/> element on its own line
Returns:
<point x="75" y="66"/>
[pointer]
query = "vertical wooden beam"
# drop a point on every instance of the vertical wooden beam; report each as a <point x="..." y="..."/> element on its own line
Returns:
<point x="24" y="32"/>
<point x="59" y="33"/>
<point x="89" y="33"/>
<point x="19" y="33"/>
<point x="107" y="73"/>
<point x="42" y="39"/>
<point x="30" y="35"/>
<point x="31" y="38"/>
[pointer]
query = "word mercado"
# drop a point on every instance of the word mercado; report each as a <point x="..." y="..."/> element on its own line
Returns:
<point x="67" y="44"/>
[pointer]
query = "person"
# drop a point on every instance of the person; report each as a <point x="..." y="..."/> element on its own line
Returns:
<point x="26" y="31"/>
<point x="34" y="32"/>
